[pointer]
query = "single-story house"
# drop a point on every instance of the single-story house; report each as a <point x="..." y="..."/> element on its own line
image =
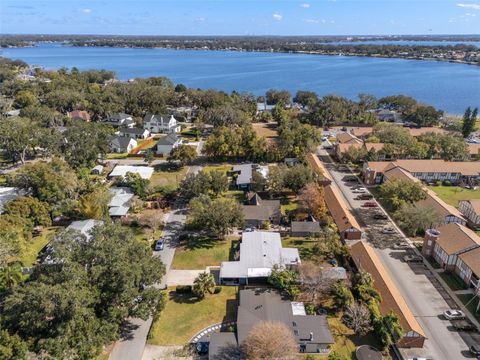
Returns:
<point x="347" y="138"/>
<point x="471" y="210"/>
<point x="264" y="107"/>
<point x="8" y="194"/>
<point x="366" y="259"/>
<point x="84" y="226"/>
<point x="446" y="243"/>
<point x="311" y="332"/>
<point x="260" y="252"/>
<point x="305" y="228"/>
<point x="121" y="144"/>
<point x="258" y="212"/>
<point x="79" y="115"/>
<point x="119" y="204"/>
<point x="97" y="170"/>
<point x="134" y="133"/>
<point x="145" y="172"/>
<point x="167" y="143"/>
<point x="161" y="123"/>
<point x="346" y="223"/>
<point x="388" y="115"/>
<point x="118" y="120"/>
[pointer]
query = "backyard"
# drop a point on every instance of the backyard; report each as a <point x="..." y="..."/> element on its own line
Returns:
<point x="185" y="315"/>
<point x="195" y="253"/>
<point x="453" y="194"/>
<point x="166" y="177"/>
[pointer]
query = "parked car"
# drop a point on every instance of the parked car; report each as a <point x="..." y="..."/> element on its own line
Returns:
<point x="453" y="314"/>
<point x="159" y="244"/>
<point x="351" y="178"/>
<point x="324" y="138"/>
<point x="388" y="230"/>
<point x="413" y="258"/>
<point x="248" y="229"/>
<point x="401" y="246"/>
<point x="380" y="216"/>
<point x="464" y="325"/>
<point x="365" y="196"/>
<point x="360" y="190"/>
<point x="370" y="204"/>
<point x="202" y="348"/>
<point x="475" y="349"/>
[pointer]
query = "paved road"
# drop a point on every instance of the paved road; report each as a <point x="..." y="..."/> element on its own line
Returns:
<point x="424" y="296"/>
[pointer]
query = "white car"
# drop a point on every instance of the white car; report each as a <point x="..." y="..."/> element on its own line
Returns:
<point x="453" y="314"/>
<point x="360" y="190"/>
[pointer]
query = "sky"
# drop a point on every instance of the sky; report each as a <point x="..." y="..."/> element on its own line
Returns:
<point x="239" y="17"/>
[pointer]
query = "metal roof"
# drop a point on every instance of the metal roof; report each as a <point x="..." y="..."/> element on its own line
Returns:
<point x="145" y="172"/>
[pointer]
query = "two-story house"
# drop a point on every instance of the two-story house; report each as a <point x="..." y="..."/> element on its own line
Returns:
<point x="471" y="210"/>
<point x="161" y="124"/>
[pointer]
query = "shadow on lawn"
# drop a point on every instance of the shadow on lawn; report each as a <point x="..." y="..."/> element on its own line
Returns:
<point x="190" y="242"/>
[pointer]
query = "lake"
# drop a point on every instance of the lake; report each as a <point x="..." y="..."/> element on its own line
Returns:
<point x="451" y="87"/>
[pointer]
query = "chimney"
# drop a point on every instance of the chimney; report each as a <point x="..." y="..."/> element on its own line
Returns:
<point x="431" y="236"/>
<point x="311" y="336"/>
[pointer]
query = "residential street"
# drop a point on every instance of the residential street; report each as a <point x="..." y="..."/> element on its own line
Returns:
<point x="425" y="297"/>
<point x="133" y="343"/>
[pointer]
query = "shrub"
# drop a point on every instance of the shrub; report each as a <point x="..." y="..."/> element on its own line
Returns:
<point x="218" y="290"/>
<point x="446" y="183"/>
<point x="183" y="289"/>
<point x="310" y="309"/>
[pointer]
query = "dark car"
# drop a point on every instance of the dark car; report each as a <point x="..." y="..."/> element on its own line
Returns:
<point x="380" y="216"/>
<point x="364" y="197"/>
<point x="464" y="325"/>
<point x="202" y="348"/>
<point x="475" y="349"/>
<point x="159" y="245"/>
<point x="351" y="178"/>
<point x="413" y="258"/>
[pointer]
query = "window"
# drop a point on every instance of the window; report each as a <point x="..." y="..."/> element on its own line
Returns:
<point x="429" y="242"/>
<point x="294" y="323"/>
<point x="295" y="332"/>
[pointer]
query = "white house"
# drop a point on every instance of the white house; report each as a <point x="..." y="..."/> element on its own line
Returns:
<point x="120" y="202"/>
<point x="145" y="172"/>
<point x="121" y="144"/>
<point x="120" y="120"/>
<point x="134" y="133"/>
<point x="166" y="144"/>
<point x="161" y="124"/>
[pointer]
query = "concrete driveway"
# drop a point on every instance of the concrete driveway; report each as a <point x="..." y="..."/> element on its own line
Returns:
<point x="425" y="297"/>
<point x="182" y="277"/>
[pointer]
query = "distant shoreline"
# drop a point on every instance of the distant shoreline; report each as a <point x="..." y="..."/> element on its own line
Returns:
<point x="305" y="52"/>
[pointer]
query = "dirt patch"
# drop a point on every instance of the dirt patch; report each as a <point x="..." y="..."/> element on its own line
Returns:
<point x="266" y="130"/>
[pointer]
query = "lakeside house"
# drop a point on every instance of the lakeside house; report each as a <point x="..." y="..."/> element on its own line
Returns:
<point x="366" y="259"/>
<point x="120" y="171"/>
<point x="119" y="120"/>
<point x="121" y="144"/>
<point x="260" y="252"/>
<point x="166" y="144"/>
<point x="161" y="123"/>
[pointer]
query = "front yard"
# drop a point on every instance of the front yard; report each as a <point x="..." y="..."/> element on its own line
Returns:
<point x="184" y="315"/>
<point x="196" y="253"/>
<point x="453" y="281"/>
<point x="168" y="178"/>
<point x="453" y="194"/>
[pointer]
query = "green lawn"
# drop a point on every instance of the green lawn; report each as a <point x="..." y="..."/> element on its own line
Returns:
<point x="196" y="253"/>
<point x="453" y="281"/>
<point x="304" y="246"/>
<point x="453" y="194"/>
<point x="184" y="316"/>
<point x="115" y="156"/>
<point x="221" y="167"/>
<point x="168" y="178"/>
<point x="30" y="254"/>
<point x="472" y="304"/>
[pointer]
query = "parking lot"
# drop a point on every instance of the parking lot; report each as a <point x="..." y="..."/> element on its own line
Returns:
<point x="425" y="296"/>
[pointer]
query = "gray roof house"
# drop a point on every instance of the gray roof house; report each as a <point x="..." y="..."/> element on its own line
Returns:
<point x="305" y="228"/>
<point x="135" y="133"/>
<point x="167" y="143"/>
<point x="120" y="120"/>
<point x="311" y="332"/>
<point x="244" y="174"/>
<point x="84" y="226"/>
<point x="260" y="252"/>
<point x="121" y="144"/>
<point x="120" y="202"/>
<point x="258" y="211"/>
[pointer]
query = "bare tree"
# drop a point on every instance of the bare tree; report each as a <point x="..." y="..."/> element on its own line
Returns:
<point x="270" y="341"/>
<point x="151" y="219"/>
<point x="357" y="318"/>
<point x="313" y="281"/>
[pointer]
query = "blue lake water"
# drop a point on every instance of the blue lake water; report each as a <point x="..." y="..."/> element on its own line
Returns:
<point x="451" y="87"/>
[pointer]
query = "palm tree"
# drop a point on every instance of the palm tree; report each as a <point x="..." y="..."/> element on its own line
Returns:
<point x="202" y="284"/>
